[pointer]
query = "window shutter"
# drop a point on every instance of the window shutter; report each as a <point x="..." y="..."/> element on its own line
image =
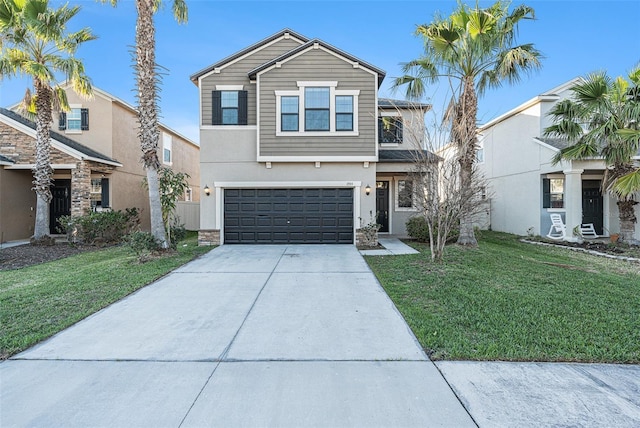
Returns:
<point x="546" y="193"/>
<point x="84" y="119"/>
<point x="105" y="192"/>
<point x="216" y="106"/>
<point x="62" y="121"/>
<point x="242" y="107"/>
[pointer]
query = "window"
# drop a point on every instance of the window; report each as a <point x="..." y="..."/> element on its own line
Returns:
<point x="480" y="153"/>
<point x="167" y="149"/>
<point x="75" y="120"/>
<point x="390" y="130"/>
<point x="316" y="109"/>
<point x="229" y="107"/>
<point x="344" y="113"/>
<point x="289" y="112"/>
<point x="405" y="194"/>
<point x="99" y="193"/>
<point x="553" y="193"/>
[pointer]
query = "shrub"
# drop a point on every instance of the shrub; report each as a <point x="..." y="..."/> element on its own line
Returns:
<point x="105" y="227"/>
<point x="177" y="232"/>
<point x="144" y="244"/>
<point x="418" y="229"/>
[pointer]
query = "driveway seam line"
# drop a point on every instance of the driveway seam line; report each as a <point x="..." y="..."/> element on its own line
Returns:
<point x="226" y="349"/>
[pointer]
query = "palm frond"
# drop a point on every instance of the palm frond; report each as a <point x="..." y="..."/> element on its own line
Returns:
<point x="580" y="150"/>
<point x="627" y="185"/>
<point x="180" y="11"/>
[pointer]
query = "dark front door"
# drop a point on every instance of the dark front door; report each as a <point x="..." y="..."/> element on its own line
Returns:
<point x="60" y="204"/>
<point x="288" y="216"/>
<point x="382" y="205"/>
<point x="592" y="209"/>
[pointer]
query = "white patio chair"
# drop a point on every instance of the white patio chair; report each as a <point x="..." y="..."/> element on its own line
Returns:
<point x="588" y="231"/>
<point x="558" y="230"/>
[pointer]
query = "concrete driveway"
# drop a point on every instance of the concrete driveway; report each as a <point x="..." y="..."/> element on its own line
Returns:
<point x="246" y="336"/>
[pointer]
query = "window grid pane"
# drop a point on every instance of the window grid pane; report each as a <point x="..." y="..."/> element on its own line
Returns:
<point x="344" y="104"/>
<point x="229" y="99"/>
<point x="74" y="119"/>
<point x="290" y="122"/>
<point x="230" y="116"/>
<point x="344" y="122"/>
<point x="289" y="104"/>
<point x="405" y="194"/>
<point x="316" y="98"/>
<point x="317" y="120"/>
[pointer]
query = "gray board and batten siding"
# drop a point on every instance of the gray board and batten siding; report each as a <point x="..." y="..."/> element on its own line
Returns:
<point x="318" y="65"/>
<point x="237" y="74"/>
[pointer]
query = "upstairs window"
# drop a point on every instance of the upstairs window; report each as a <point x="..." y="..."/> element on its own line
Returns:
<point x="167" y="149"/>
<point x="390" y="130"/>
<point x="229" y="108"/>
<point x="553" y="193"/>
<point x="290" y="118"/>
<point x="75" y="120"/>
<point x="317" y="109"/>
<point x="344" y="113"/>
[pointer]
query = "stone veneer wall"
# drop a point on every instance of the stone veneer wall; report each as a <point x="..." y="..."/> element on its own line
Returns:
<point x="363" y="241"/>
<point x="209" y="237"/>
<point x="80" y="189"/>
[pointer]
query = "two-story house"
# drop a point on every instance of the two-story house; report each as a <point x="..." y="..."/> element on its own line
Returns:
<point x="526" y="186"/>
<point x="95" y="155"/>
<point x="296" y="147"/>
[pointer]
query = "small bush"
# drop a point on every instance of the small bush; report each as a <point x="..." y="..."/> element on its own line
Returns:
<point x="144" y="244"/>
<point x="418" y="229"/>
<point x="107" y="227"/>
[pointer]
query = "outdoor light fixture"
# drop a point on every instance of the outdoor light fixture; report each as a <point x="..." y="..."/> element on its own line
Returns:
<point x="367" y="190"/>
<point x="207" y="190"/>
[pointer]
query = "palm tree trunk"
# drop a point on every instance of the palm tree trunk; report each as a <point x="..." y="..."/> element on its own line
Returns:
<point x="464" y="135"/>
<point x="148" y="132"/>
<point x="628" y="220"/>
<point x="42" y="171"/>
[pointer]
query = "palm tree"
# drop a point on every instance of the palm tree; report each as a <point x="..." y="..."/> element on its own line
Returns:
<point x="477" y="48"/>
<point x="602" y="120"/>
<point x="35" y="43"/>
<point x="147" y="79"/>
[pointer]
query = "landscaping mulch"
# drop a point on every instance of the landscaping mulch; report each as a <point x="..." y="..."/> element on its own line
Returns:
<point x="28" y="255"/>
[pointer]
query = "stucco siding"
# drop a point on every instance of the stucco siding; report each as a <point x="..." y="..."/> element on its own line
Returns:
<point x="318" y="65"/>
<point x="236" y="74"/>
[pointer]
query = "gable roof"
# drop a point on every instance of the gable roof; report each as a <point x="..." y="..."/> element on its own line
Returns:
<point x="282" y="33"/>
<point x="309" y="45"/>
<point x="74" y="148"/>
<point x="551" y="95"/>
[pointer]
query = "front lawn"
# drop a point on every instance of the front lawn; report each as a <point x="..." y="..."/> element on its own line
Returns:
<point x="38" y="301"/>
<point x="514" y="301"/>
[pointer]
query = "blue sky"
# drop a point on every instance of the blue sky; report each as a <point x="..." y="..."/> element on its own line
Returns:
<point x="576" y="38"/>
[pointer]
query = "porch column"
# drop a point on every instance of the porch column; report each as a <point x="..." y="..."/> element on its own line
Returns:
<point x="80" y="189"/>
<point x="572" y="199"/>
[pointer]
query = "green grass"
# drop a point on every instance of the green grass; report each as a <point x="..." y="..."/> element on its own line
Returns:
<point x="513" y="301"/>
<point x="38" y="301"/>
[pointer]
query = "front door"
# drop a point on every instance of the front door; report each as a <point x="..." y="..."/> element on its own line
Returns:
<point x="382" y="205"/>
<point x="60" y="204"/>
<point x="592" y="209"/>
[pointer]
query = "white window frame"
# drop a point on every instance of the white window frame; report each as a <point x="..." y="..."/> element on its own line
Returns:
<point x="167" y="144"/>
<point x="333" y="92"/>
<point x="414" y="205"/>
<point x="67" y="130"/>
<point x="397" y="116"/>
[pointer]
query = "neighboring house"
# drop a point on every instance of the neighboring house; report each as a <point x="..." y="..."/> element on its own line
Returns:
<point x="292" y="147"/>
<point x="526" y="187"/>
<point x="95" y="155"/>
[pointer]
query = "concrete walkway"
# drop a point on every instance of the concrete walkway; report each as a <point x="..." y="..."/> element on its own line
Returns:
<point x="392" y="247"/>
<point x="246" y="336"/>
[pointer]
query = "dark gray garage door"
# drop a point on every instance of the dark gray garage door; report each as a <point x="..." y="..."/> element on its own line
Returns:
<point x="282" y="216"/>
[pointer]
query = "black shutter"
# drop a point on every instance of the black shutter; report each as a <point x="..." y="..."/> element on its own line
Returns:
<point x="242" y="107"/>
<point x="84" y="116"/>
<point x="399" y="130"/>
<point x="546" y="193"/>
<point x="105" y="192"/>
<point x="62" y="121"/>
<point x="216" y="106"/>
